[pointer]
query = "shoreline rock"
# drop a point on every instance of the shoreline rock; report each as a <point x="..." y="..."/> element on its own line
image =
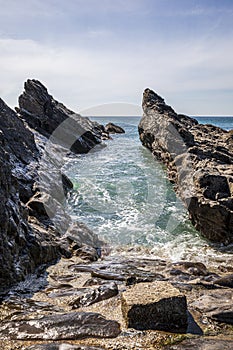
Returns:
<point x="34" y="227"/>
<point x="112" y="128"/>
<point x="199" y="161"/>
<point x="73" y="325"/>
<point x="209" y="306"/>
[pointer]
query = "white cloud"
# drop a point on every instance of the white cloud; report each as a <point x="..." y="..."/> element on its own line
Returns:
<point x="82" y="77"/>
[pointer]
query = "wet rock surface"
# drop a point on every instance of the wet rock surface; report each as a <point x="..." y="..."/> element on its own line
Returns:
<point x="70" y="284"/>
<point x="199" y="160"/>
<point x="61" y="326"/>
<point x="34" y="227"/>
<point x="38" y="312"/>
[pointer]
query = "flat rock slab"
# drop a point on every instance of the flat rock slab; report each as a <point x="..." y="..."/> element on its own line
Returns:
<point x="61" y="326"/>
<point x="203" y="344"/>
<point x="217" y="305"/>
<point x="64" y="346"/>
<point x="156" y="305"/>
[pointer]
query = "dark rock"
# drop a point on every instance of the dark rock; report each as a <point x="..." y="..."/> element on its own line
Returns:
<point x="199" y="161"/>
<point x="107" y="275"/>
<point x="50" y="117"/>
<point x="122" y="270"/>
<point x="30" y="173"/>
<point x="22" y="248"/>
<point x="61" y="326"/>
<point x="103" y="292"/>
<point x="226" y="281"/>
<point x="19" y="144"/>
<point x="87" y="253"/>
<point x="189" y="268"/>
<point x="114" y="129"/>
<point x="157" y="305"/>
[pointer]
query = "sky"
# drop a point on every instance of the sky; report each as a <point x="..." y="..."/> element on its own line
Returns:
<point x="106" y="52"/>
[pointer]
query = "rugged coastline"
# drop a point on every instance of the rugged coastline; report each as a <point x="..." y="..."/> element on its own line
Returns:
<point x="87" y="301"/>
<point x="199" y="161"/>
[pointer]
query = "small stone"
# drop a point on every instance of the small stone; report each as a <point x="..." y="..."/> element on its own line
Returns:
<point x="226" y="281"/>
<point x="103" y="292"/>
<point x="156" y="305"/>
<point x="114" y="129"/>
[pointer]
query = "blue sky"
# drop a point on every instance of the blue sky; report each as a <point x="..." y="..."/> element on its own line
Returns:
<point x="94" y="52"/>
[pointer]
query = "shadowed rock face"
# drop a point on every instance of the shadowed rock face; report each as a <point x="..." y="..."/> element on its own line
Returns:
<point x="199" y="160"/>
<point x="44" y="114"/>
<point x="157" y="305"/>
<point x="21" y="248"/>
<point x="28" y="236"/>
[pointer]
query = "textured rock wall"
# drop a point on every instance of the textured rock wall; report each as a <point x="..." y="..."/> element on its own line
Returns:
<point x="21" y="248"/>
<point x="44" y="114"/>
<point x="199" y="160"/>
<point x="29" y="236"/>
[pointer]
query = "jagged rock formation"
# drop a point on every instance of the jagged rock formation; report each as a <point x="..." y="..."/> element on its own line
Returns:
<point x="199" y="160"/>
<point x="114" y="129"/>
<point x="34" y="228"/>
<point x="21" y="247"/>
<point x="46" y="115"/>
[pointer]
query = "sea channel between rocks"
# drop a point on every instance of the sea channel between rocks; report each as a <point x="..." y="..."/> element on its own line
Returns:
<point x="95" y="297"/>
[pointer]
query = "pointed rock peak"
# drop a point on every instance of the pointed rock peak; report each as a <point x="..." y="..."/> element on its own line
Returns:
<point x="151" y="100"/>
<point x="33" y="84"/>
<point x="149" y="96"/>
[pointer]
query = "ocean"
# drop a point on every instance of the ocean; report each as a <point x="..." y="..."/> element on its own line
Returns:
<point x="122" y="193"/>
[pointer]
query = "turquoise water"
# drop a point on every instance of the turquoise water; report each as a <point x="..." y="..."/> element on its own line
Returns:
<point x="122" y="193"/>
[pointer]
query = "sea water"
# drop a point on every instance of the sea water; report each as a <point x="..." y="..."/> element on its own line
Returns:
<point x="122" y="193"/>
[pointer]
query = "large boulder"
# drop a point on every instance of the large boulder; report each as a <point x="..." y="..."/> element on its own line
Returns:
<point x="156" y="305"/>
<point x="199" y="162"/>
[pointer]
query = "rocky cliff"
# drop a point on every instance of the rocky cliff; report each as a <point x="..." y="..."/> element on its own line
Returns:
<point x="199" y="161"/>
<point x="34" y="228"/>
